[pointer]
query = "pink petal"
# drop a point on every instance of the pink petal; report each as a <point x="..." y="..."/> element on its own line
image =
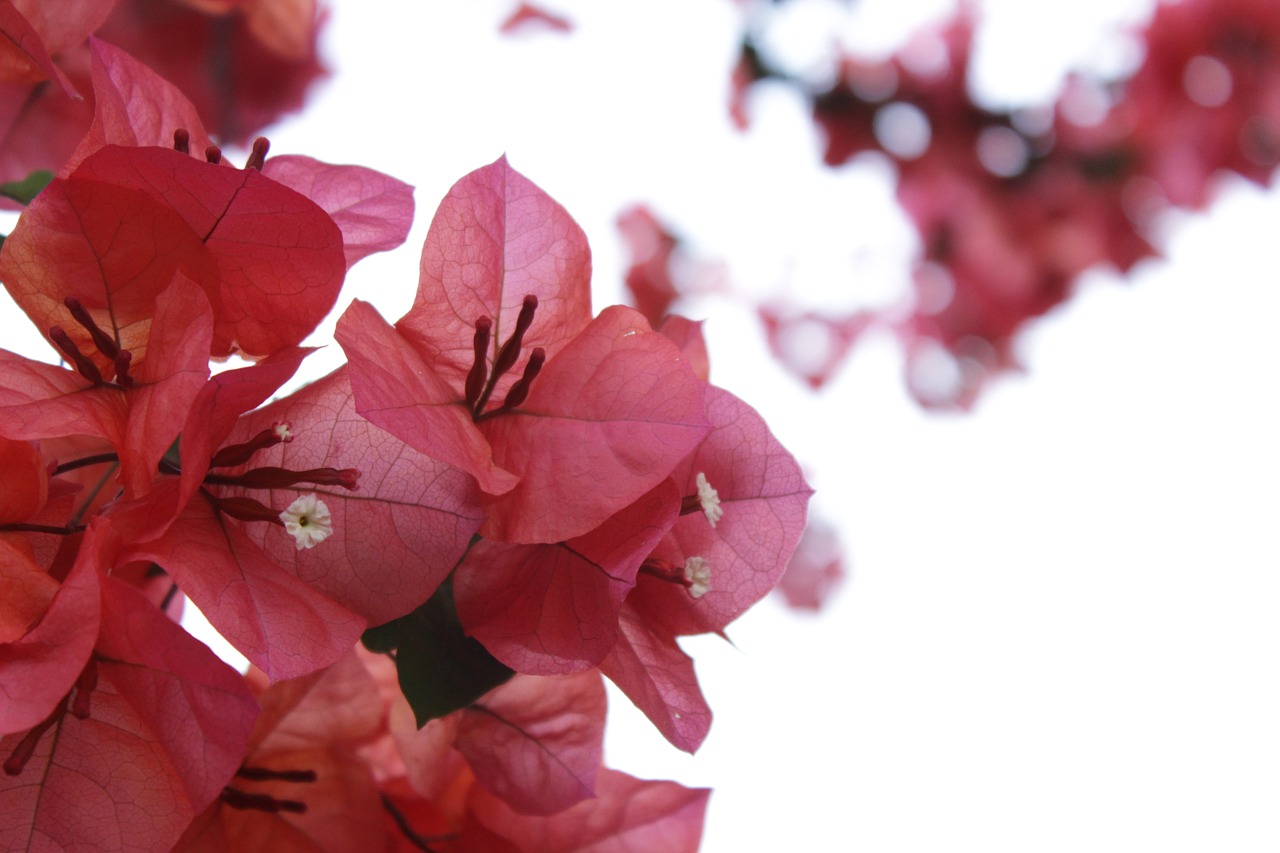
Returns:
<point x="606" y="421"/>
<point x="496" y="238"/>
<point x="536" y="742"/>
<point x="374" y="211"/>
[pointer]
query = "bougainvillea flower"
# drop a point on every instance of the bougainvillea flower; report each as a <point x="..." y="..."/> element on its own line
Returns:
<point x="302" y="785"/>
<point x="148" y="736"/>
<point x="47" y="630"/>
<point x="701" y="576"/>
<point x="282" y="623"/>
<point x="244" y="238"/>
<point x="626" y="814"/>
<point x="553" y="609"/>
<point x="598" y="414"/>
<point x="137" y="401"/>
<point x="394" y="539"/>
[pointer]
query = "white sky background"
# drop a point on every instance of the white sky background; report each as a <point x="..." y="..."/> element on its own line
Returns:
<point x="1062" y="631"/>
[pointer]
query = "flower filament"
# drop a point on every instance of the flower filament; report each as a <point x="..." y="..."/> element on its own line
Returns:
<point x="481" y="381"/>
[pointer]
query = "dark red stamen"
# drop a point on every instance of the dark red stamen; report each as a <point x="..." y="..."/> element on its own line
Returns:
<point x="101" y="339"/>
<point x="507" y="356"/>
<point x="475" y="379"/>
<point x="26" y="747"/>
<point x="182" y="141"/>
<point x="85" y="686"/>
<point x="245" y="509"/>
<point x="213" y="154"/>
<point x="511" y="349"/>
<point x="123" y="359"/>
<point x="258" y="156"/>
<point x="259" y="774"/>
<point x="84" y="366"/>
<point x="520" y="390"/>
<point x="238" y="799"/>
<point x="282" y="478"/>
<point x="238" y="454"/>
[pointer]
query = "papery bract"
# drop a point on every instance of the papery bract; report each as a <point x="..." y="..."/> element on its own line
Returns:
<point x="658" y="677"/>
<point x="495" y="239"/>
<point x="602" y="426"/>
<point x="396" y="537"/>
<point x="242" y="64"/>
<point x="116" y="230"/>
<point x="38" y="667"/>
<point x="133" y="106"/>
<point x="278" y="621"/>
<point x="764" y="497"/>
<point x="166" y="726"/>
<point x="612" y="410"/>
<point x="528" y="18"/>
<point x="141" y="418"/>
<point x="536" y="742"/>
<point x="314" y="792"/>
<point x="627" y="814"/>
<point x="25" y="485"/>
<point x="553" y="609"/>
<point x="374" y="211"/>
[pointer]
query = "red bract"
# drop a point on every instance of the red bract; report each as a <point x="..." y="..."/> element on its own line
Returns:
<point x="374" y="211"/>
<point x="656" y="675"/>
<point x="243" y="64"/>
<point x="134" y="106"/>
<point x="153" y="729"/>
<point x="44" y="74"/>
<point x="47" y="631"/>
<point x="626" y="814"/>
<point x="283" y="624"/>
<point x="553" y="609"/>
<point x="614" y="408"/>
<point x="242" y="237"/>
<point x="1207" y="96"/>
<point x="139" y="412"/>
<point x="395" y="538"/>
<point x="536" y="742"/>
<point x="25" y="485"/>
<point x="302" y="786"/>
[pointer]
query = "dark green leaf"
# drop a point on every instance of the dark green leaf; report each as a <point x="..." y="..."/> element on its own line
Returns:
<point x="440" y="668"/>
<point x="26" y="189"/>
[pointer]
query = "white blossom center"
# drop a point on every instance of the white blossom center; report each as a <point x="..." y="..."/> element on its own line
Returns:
<point x="697" y="574"/>
<point x="709" y="498"/>
<point x="308" y="520"/>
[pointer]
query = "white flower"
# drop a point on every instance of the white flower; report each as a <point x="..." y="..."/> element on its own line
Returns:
<point x="697" y="573"/>
<point x="308" y="520"/>
<point x="709" y="498"/>
<point x="283" y="430"/>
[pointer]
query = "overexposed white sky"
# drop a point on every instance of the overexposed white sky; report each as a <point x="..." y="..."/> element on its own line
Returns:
<point x="1061" y="631"/>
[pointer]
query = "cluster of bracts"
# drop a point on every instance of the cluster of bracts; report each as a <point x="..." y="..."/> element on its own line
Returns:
<point x="430" y="557"/>
<point x="1012" y="206"/>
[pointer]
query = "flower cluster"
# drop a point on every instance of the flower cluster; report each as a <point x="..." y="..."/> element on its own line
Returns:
<point x="502" y="493"/>
<point x="1011" y="206"/>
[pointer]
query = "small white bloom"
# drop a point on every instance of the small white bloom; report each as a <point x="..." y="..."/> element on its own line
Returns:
<point x="709" y="498"/>
<point x="283" y="430"/>
<point x="308" y="520"/>
<point x="697" y="573"/>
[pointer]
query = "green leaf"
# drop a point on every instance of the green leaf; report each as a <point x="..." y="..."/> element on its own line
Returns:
<point x="440" y="668"/>
<point x="28" y="188"/>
